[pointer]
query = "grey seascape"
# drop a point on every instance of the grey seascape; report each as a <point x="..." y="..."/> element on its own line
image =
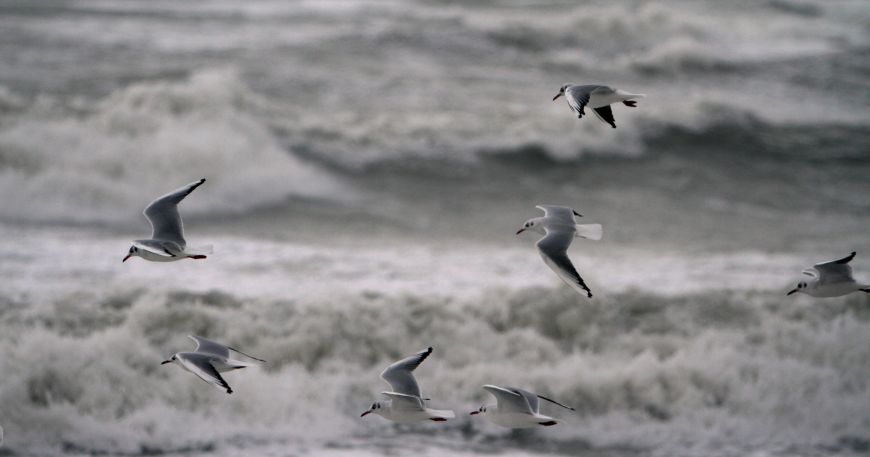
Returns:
<point x="368" y="164"/>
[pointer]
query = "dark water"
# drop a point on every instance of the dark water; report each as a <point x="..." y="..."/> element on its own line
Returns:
<point x="368" y="163"/>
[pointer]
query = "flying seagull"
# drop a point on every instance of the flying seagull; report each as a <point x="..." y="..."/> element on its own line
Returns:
<point x="597" y="97"/>
<point x="516" y="408"/>
<point x="560" y="229"/>
<point x="167" y="237"/>
<point x="405" y="404"/>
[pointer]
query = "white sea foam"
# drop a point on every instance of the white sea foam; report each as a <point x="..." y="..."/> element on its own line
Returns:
<point x="147" y="138"/>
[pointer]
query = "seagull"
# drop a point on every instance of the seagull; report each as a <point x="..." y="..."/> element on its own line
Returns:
<point x="830" y="279"/>
<point x="559" y="228"/>
<point x="209" y="360"/>
<point x="599" y="98"/>
<point x="167" y="237"/>
<point x="405" y="404"/>
<point x="516" y="408"/>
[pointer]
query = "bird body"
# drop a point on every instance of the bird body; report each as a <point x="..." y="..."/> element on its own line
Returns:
<point x="516" y="408"/>
<point x="405" y="404"/>
<point x="560" y="228"/>
<point x="830" y="279"/>
<point x="597" y="97"/>
<point x="167" y="242"/>
<point x="209" y="360"/>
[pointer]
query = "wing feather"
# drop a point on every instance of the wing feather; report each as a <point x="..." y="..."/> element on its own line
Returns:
<point x="399" y="375"/>
<point x="164" y="217"/>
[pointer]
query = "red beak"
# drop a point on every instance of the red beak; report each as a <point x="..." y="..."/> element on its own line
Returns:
<point x="127" y="257"/>
<point x="364" y="414"/>
<point x="557" y="96"/>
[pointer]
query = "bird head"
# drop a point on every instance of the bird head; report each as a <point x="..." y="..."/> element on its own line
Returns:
<point x="561" y="91"/>
<point x="533" y="225"/>
<point x="801" y="287"/>
<point x="172" y="359"/>
<point x="134" y="251"/>
<point x="377" y="408"/>
<point x="481" y="410"/>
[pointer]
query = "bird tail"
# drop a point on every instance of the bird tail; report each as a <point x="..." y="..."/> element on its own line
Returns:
<point x="629" y="95"/>
<point x="441" y="414"/>
<point x="201" y="250"/>
<point x="589" y="231"/>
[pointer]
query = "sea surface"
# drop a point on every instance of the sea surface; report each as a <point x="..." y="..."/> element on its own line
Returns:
<point x="368" y="164"/>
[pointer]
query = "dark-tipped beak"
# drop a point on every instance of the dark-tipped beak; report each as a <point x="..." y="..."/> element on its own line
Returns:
<point x="473" y="413"/>
<point x="165" y="362"/>
<point x="127" y="257"/>
<point x="557" y="96"/>
<point x="520" y="231"/>
<point x="365" y="413"/>
<point x="792" y="291"/>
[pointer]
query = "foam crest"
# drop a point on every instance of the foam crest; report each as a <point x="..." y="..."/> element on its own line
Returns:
<point x="144" y="140"/>
<point x="634" y="365"/>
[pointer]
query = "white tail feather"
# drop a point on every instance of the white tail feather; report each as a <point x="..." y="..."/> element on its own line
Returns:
<point x="589" y="231"/>
<point x="201" y="250"/>
<point x="443" y="413"/>
<point x="629" y="95"/>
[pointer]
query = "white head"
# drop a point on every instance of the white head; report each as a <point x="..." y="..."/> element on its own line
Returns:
<point x="481" y="410"/>
<point x="377" y="408"/>
<point x="801" y="287"/>
<point x="173" y="359"/>
<point x="561" y="91"/>
<point x="534" y="225"/>
<point x="134" y="251"/>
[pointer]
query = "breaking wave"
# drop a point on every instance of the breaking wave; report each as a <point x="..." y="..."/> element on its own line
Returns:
<point x="84" y="374"/>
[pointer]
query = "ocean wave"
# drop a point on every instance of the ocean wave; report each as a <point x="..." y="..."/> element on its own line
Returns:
<point x="642" y="370"/>
<point x="150" y="137"/>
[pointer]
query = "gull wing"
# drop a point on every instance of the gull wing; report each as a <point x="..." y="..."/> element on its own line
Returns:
<point x="835" y="271"/>
<point x="530" y="397"/>
<point x="562" y="213"/>
<point x="554" y="250"/>
<point x="605" y="113"/>
<point x="208" y="346"/>
<point x="528" y="394"/>
<point x="402" y="402"/>
<point x="399" y="375"/>
<point x="578" y="97"/>
<point x="509" y="400"/>
<point x="163" y="214"/>
<point x="153" y="247"/>
<point x="200" y="365"/>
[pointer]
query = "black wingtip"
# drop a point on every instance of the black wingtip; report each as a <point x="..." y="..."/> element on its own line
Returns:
<point x="429" y="350"/>
<point x="577" y="214"/>
<point x="589" y="294"/>
<point x="848" y="258"/>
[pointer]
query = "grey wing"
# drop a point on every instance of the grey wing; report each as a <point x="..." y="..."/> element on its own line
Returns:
<point x="399" y="375"/>
<point x="509" y="400"/>
<point x="606" y="115"/>
<point x="836" y="270"/>
<point x="601" y="90"/>
<point x="578" y="97"/>
<point x="554" y="250"/>
<point x="207" y="346"/>
<point x="402" y="402"/>
<point x="157" y="247"/>
<point x="200" y="365"/>
<point x="163" y="214"/>
<point x="530" y="397"/>
<point x="562" y="213"/>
